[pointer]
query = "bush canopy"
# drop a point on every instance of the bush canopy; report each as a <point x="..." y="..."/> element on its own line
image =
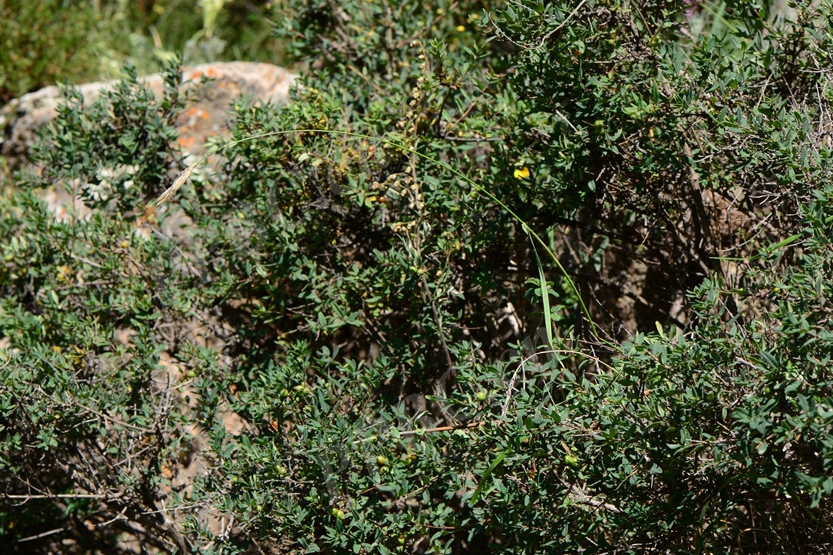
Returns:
<point x="505" y="277"/>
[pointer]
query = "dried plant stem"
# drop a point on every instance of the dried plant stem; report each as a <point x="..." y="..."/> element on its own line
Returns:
<point x="178" y="182"/>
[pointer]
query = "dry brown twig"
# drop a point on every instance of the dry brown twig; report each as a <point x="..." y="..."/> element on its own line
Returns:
<point x="178" y="182"/>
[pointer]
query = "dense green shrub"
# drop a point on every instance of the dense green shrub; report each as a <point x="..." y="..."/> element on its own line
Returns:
<point x="662" y="151"/>
<point x="344" y="330"/>
<point x="91" y="398"/>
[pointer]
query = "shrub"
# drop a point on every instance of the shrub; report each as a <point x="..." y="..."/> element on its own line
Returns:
<point x="345" y="335"/>
<point x="85" y="403"/>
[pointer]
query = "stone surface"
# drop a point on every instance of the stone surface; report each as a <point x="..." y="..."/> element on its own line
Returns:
<point x="205" y="116"/>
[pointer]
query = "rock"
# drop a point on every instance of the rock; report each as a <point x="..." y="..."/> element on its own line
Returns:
<point x="205" y="116"/>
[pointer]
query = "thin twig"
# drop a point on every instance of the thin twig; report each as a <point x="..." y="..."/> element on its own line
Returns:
<point x="43" y="535"/>
<point x="119" y="516"/>
<point x="440" y="429"/>
<point x="563" y="23"/>
<point x="56" y="496"/>
<point x="439" y="323"/>
<point x="522" y="366"/>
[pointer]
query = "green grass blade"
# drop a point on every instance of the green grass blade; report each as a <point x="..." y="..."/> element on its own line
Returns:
<point x="545" y="297"/>
<point x="486" y="475"/>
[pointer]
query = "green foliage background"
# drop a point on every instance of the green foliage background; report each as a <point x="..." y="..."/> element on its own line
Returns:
<point x="48" y="42"/>
<point x="358" y="286"/>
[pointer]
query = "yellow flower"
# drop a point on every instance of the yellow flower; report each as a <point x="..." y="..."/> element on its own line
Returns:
<point x="461" y="28"/>
<point x="522" y="173"/>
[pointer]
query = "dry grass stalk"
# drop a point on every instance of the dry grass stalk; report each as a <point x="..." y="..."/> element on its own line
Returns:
<point x="178" y="182"/>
